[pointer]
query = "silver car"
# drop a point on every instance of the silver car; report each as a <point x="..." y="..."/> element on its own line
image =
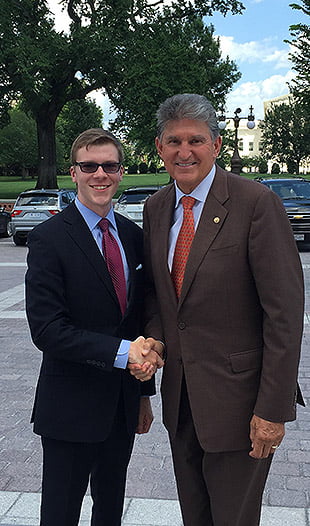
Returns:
<point x="34" y="206"/>
<point x="131" y="202"/>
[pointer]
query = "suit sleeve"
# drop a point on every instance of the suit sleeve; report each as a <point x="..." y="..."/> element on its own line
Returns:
<point x="52" y="328"/>
<point x="152" y="318"/>
<point x="278" y="275"/>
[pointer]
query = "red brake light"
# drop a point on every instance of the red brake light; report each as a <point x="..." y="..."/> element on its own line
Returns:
<point x="53" y="212"/>
<point x="16" y="213"/>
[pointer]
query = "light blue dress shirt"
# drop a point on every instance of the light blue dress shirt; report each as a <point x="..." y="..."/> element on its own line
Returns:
<point x="92" y="219"/>
<point x="200" y="193"/>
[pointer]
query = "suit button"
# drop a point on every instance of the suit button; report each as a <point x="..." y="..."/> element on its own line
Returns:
<point x="181" y="325"/>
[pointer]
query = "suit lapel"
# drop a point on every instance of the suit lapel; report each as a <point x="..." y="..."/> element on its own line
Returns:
<point x="161" y="224"/>
<point x="80" y="234"/>
<point x="211" y="221"/>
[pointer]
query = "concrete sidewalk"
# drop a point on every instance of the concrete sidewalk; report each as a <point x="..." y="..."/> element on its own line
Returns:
<point x="22" y="509"/>
<point x="151" y="497"/>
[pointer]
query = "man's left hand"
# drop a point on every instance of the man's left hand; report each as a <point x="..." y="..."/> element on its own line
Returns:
<point x="265" y="436"/>
<point x="145" y="416"/>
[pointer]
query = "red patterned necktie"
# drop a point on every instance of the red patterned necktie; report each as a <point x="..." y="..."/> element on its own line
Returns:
<point x="114" y="263"/>
<point x="183" y="244"/>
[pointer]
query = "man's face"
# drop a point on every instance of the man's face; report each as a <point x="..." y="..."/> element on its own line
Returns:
<point x="96" y="190"/>
<point x="188" y="152"/>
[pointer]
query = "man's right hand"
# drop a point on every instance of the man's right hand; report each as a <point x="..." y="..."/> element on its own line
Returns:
<point x="144" y="358"/>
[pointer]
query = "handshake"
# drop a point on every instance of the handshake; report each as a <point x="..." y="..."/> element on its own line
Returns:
<point x="145" y="357"/>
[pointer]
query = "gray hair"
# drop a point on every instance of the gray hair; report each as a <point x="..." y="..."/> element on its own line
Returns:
<point x="187" y="106"/>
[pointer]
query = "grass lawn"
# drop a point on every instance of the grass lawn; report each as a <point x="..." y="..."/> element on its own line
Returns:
<point x="10" y="187"/>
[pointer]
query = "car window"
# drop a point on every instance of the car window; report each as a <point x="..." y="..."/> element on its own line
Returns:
<point x="291" y="190"/>
<point x="37" y="200"/>
<point x="136" y="197"/>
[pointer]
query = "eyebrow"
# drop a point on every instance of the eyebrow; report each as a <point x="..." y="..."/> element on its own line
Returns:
<point x="201" y="137"/>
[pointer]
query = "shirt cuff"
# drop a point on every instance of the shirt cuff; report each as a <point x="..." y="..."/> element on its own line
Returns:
<point x="121" y="357"/>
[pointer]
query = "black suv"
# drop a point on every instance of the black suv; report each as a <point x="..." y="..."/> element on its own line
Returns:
<point x="34" y="206"/>
<point x="295" y="194"/>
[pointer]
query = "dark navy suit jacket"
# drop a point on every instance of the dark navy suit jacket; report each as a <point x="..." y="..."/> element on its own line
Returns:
<point x="75" y="320"/>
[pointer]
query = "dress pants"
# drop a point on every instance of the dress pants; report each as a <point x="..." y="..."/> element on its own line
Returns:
<point x="215" y="489"/>
<point x="69" y="466"/>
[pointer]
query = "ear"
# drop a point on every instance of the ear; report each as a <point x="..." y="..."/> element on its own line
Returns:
<point x="121" y="172"/>
<point x="73" y="174"/>
<point x="159" y="146"/>
<point x="217" y="146"/>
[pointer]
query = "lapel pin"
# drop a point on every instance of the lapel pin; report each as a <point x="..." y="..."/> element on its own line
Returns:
<point x="216" y="220"/>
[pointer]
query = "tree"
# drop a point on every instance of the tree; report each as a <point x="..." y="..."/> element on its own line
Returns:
<point x="286" y="131"/>
<point x="301" y="56"/>
<point x="75" y="117"/>
<point x="48" y="69"/>
<point x="166" y="59"/>
<point x="18" y="143"/>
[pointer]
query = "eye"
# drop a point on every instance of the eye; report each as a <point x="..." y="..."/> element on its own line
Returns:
<point x="196" y="141"/>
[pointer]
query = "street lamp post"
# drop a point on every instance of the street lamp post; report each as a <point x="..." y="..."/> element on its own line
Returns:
<point x="236" y="161"/>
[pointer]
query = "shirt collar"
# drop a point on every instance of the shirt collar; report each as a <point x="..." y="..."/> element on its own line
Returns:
<point x="201" y="191"/>
<point x="91" y="218"/>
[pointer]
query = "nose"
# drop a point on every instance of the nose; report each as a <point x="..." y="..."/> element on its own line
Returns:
<point x="100" y="172"/>
<point x="184" y="151"/>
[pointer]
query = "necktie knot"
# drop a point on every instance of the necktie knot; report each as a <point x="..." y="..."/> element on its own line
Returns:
<point x="103" y="224"/>
<point x="188" y="202"/>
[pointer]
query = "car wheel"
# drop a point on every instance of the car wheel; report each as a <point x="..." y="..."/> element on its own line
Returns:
<point x="8" y="230"/>
<point x="20" y="241"/>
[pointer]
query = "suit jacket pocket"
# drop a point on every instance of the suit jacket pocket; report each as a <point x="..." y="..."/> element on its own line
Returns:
<point x="246" y="360"/>
<point x="224" y="251"/>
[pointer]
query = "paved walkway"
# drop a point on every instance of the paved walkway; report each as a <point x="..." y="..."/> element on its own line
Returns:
<point x="151" y="498"/>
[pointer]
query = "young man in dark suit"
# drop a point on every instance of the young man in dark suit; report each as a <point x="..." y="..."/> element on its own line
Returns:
<point x="84" y="301"/>
<point x="228" y="287"/>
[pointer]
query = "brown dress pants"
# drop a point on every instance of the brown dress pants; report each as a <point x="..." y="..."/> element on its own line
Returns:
<point x="215" y="489"/>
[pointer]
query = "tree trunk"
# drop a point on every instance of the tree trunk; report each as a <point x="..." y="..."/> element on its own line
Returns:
<point x="46" y="119"/>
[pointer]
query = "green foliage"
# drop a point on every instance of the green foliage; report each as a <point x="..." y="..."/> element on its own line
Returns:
<point x="132" y="169"/>
<point x="224" y="159"/>
<point x="75" y="117"/>
<point x="143" y="168"/>
<point x="262" y="165"/>
<point x="286" y="131"/>
<point x="127" y="48"/>
<point x="18" y="144"/>
<point x="300" y="56"/>
<point x="164" y="58"/>
<point x="275" y="169"/>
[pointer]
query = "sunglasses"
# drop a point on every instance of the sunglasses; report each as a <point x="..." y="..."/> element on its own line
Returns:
<point x="90" y="168"/>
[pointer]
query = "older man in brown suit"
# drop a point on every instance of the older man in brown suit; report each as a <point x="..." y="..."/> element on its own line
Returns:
<point x="231" y="316"/>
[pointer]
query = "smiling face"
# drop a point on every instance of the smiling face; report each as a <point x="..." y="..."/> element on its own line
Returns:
<point x="188" y="151"/>
<point x="96" y="190"/>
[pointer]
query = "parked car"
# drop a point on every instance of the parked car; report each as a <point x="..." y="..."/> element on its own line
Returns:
<point x="131" y="202"/>
<point x="34" y="206"/>
<point x="295" y="194"/>
<point x="5" y="218"/>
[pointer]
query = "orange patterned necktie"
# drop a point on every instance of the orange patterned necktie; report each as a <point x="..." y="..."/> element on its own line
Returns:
<point x="183" y="244"/>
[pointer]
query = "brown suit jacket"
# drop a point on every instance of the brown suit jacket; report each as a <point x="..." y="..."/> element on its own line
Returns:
<point x="236" y="331"/>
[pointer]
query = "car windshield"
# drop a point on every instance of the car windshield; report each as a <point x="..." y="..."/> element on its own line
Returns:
<point x="38" y="200"/>
<point x="291" y="190"/>
<point x="134" y="197"/>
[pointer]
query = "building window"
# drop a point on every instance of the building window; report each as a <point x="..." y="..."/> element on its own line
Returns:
<point x="251" y="146"/>
<point x="260" y="146"/>
<point x="240" y="144"/>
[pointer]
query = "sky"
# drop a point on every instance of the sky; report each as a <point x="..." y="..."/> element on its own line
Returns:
<point x="254" y="41"/>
